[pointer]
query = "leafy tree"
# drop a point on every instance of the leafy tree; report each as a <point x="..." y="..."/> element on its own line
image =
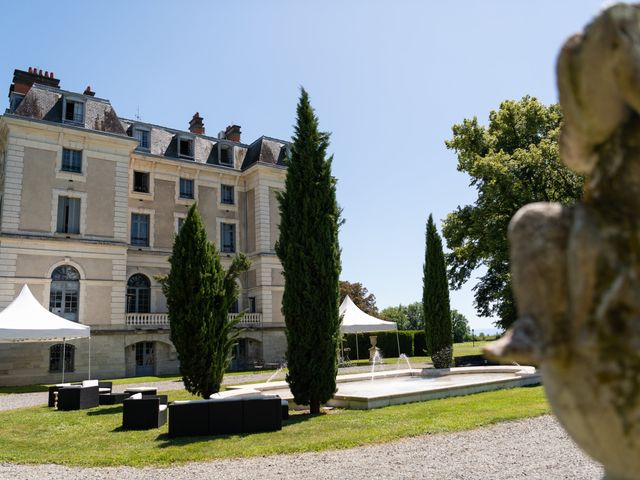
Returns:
<point x="364" y="300"/>
<point x="408" y="317"/>
<point x="513" y="161"/>
<point x="460" y="327"/>
<point x="435" y="300"/>
<point x="199" y="294"/>
<point x="310" y="255"/>
<point x="415" y="316"/>
<point x="396" y="314"/>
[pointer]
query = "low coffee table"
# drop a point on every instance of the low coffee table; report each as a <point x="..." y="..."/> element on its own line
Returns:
<point x="143" y="390"/>
<point x="112" y="398"/>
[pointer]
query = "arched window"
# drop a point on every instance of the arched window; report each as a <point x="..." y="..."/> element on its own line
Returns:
<point x="55" y="358"/>
<point x="138" y="294"/>
<point x="64" y="295"/>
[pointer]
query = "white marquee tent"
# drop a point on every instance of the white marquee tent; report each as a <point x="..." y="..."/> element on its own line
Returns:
<point x="25" y="320"/>
<point x="356" y="321"/>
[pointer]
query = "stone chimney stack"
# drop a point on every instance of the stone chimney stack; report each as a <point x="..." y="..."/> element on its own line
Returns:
<point x="232" y="133"/>
<point x="196" y="125"/>
<point x="23" y="80"/>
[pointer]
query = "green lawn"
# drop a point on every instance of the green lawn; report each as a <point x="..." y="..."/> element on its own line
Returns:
<point x="94" y="438"/>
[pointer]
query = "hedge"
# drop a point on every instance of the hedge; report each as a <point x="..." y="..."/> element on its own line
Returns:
<point x="419" y="343"/>
<point x="387" y="343"/>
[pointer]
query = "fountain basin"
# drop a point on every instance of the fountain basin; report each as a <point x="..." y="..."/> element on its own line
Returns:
<point x="363" y="391"/>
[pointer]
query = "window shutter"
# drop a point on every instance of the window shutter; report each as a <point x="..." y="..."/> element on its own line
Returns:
<point x="61" y="209"/>
<point x="74" y="215"/>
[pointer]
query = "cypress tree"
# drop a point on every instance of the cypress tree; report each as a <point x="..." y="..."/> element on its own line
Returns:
<point x="435" y="300"/>
<point x="310" y="255"/>
<point x="199" y="294"/>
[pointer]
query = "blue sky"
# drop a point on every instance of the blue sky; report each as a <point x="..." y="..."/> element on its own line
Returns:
<point x="387" y="78"/>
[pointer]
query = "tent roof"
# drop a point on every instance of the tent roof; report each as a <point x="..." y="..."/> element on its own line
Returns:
<point x="25" y="320"/>
<point x="355" y="320"/>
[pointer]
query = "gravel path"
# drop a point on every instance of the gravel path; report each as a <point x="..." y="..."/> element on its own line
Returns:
<point x="535" y="449"/>
<point x="20" y="400"/>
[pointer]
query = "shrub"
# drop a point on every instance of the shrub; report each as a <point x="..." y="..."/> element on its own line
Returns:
<point x="442" y="358"/>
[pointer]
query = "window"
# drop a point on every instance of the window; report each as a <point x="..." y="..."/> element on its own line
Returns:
<point x="71" y="160"/>
<point x="252" y="304"/>
<point x="228" y="237"/>
<point x="186" y="188"/>
<point x="64" y="292"/>
<point x="185" y="147"/>
<point x="142" y="136"/>
<point x="234" y="308"/>
<point x="140" y="229"/>
<point x="55" y="358"/>
<point x="68" y="215"/>
<point x="138" y="294"/>
<point x="227" y="194"/>
<point x="226" y="157"/>
<point x="141" y="182"/>
<point x="74" y="111"/>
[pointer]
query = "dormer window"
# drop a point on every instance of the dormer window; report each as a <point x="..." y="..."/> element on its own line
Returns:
<point x="143" y="137"/>
<point x="73" y="111"/>
<point x="226" y="155"/>
<point x="185" y="147"/>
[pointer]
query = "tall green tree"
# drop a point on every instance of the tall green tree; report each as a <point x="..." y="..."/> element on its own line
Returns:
<point x="359" y="294"/>
<point x="435" y="300"/>
<point x="459" y="327"/>
<point x="512" y="161"/>
<point x="407" y="317"/>
<point x="199" y="294"/>
<point x="310" y="255"/>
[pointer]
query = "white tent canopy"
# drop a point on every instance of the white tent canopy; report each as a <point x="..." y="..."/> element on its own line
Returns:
<point x="356" y="321"/>
<point x="25" y="320"/>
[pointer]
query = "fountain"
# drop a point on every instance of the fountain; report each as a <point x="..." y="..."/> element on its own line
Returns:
<point x="393" y="387"/>
<point x="377" y="358"/>
<point x="406" y="359"/>
<point x="280" y="369"/>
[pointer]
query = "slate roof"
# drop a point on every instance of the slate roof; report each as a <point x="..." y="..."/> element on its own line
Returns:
<point x="266" y="150"/>
<point x="45" y="103"/>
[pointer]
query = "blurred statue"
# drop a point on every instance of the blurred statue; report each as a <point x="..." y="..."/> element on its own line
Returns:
<point x="576" y="269"/>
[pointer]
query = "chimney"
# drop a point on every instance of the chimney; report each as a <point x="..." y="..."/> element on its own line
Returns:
<point x="232" y="133"/>
<point x="195" y="124"/>
<point x="23" y="80"/>
<point x="88" y="91"/>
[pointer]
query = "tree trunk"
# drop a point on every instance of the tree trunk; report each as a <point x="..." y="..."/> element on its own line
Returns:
<point x="314" y="407"/>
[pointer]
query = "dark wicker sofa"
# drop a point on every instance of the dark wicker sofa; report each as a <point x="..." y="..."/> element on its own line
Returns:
<point x="225" y="416"/>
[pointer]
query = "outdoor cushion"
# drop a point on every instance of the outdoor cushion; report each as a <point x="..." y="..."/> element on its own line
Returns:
<point x="163" y="407"/>
<point x="136" y="396"/>
<point x="90" y="383"/>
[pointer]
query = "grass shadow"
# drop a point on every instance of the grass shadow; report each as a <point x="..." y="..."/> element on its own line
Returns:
<point x="106" y="411"/>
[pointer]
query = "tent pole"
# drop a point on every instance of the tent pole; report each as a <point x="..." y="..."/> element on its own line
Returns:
<point x="64" y="351"/>
<point x="398" y="340"/>
<point x="357" y="352"/>
<point x="89" y="375"/>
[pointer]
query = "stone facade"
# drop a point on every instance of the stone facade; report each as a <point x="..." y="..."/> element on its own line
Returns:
<point x="90" y="204"/>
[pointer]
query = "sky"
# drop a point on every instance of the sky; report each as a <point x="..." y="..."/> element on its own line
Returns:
<point x="387" y="78"/>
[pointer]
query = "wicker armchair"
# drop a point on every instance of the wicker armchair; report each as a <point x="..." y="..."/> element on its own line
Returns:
<point x="77" y="397"/>
<point x="144" y="413"/>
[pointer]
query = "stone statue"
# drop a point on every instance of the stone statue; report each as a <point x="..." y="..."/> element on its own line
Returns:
<point x="576" y="269"/>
